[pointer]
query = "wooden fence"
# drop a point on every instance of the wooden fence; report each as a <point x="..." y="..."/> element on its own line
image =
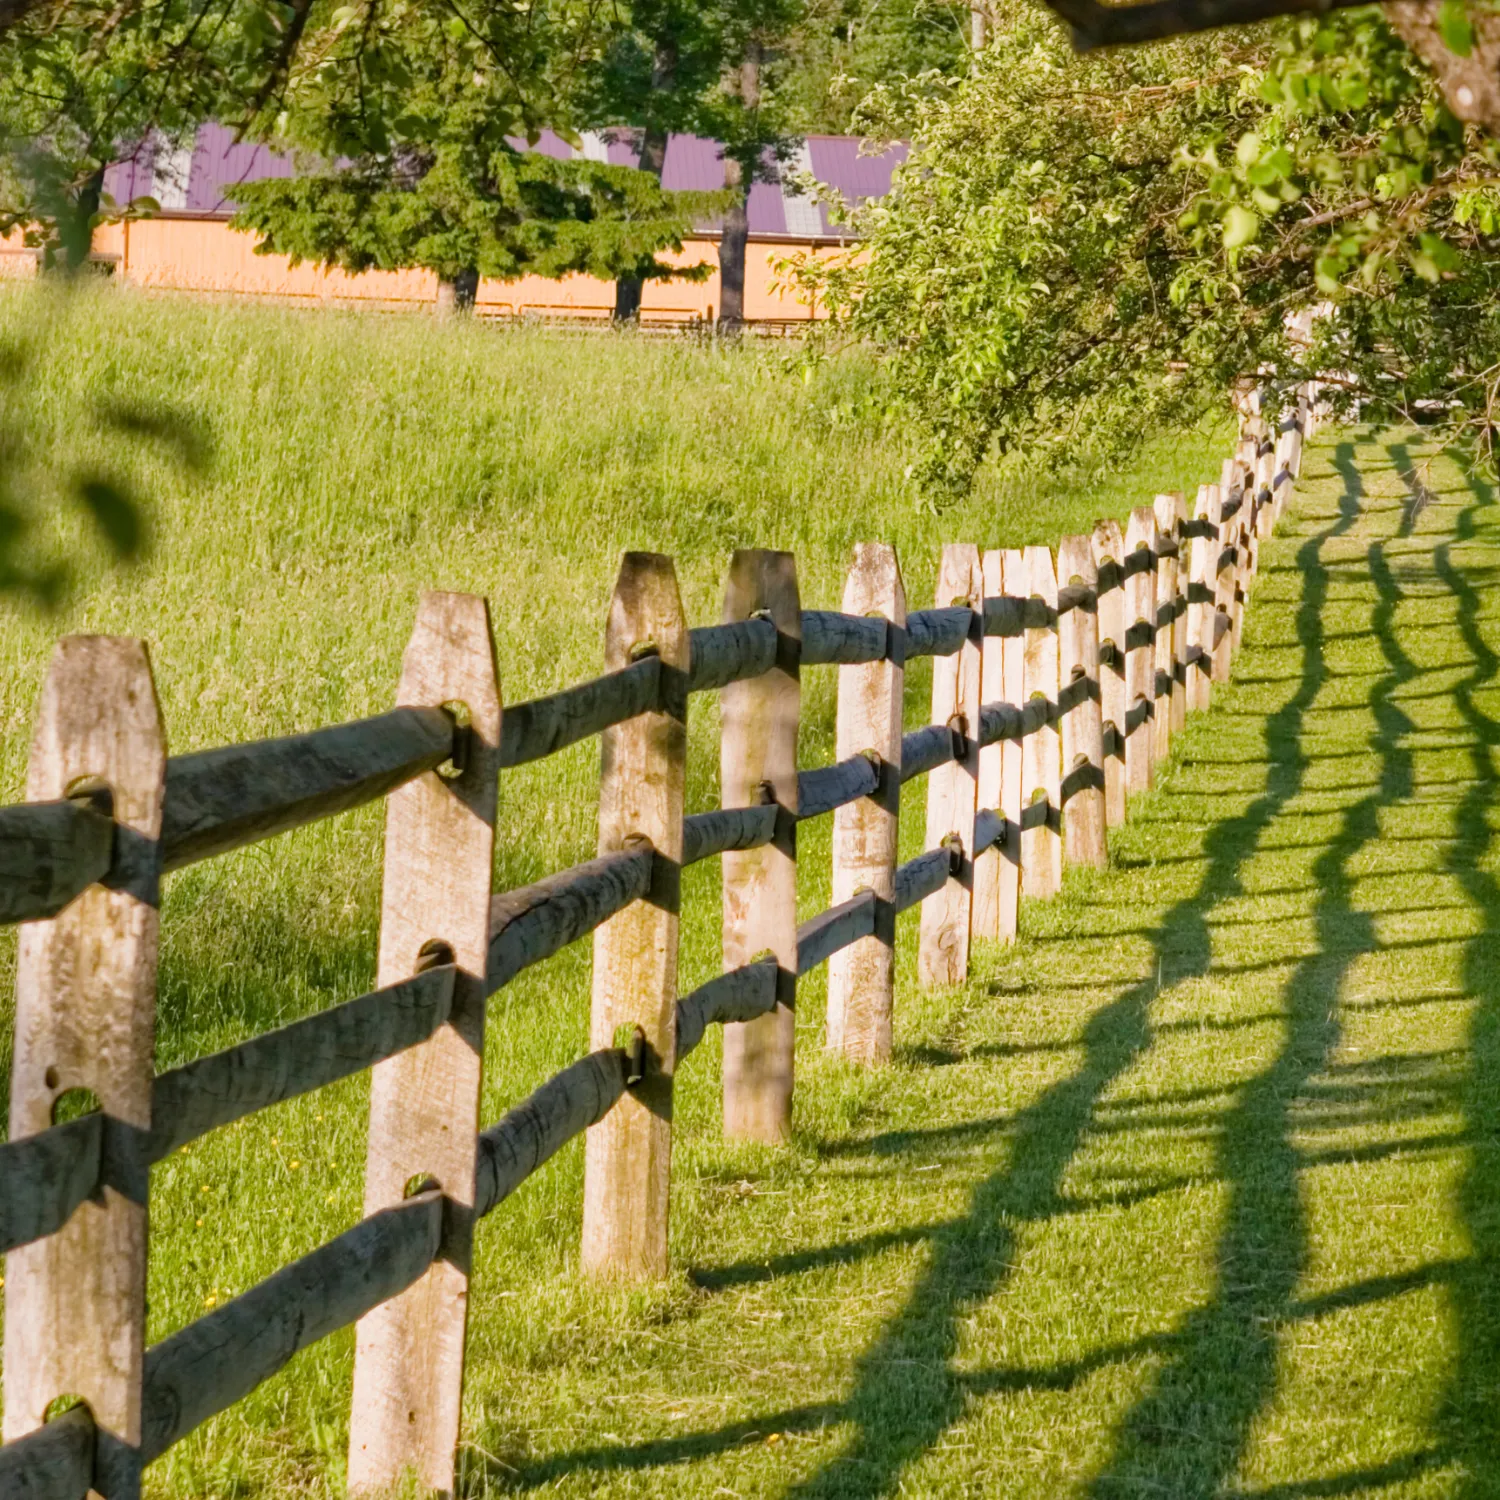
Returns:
<point x="1057" y="685"/>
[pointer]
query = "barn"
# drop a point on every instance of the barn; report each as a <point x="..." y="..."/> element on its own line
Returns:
<point x="190" y="247"/>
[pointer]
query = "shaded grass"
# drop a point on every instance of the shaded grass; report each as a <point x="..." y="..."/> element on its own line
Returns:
<point x="1193" y="1192"/>
<point x="340" y="465"/>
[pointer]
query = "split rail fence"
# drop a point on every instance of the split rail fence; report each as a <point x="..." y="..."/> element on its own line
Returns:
<point x="1057" y="685"/>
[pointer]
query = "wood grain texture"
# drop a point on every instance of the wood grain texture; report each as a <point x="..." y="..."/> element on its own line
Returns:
<point x="535" y="921"/>
<point x="861" y="977"/>
<point x="49" y="853"/>
<point x="1239" y="488"/>
<point x="924" y="750"/>
<point x="1082" y="786"/>
<point x="1109" y="553"/>
<point x="709" y="833"/>
<point x="44" y="1178"/>
<point x="223" y="799"/>
<point x="943" y="954"/>
<point x="309" y="1054"/>
<point x="543" y="1123"/>
<point x="828" y="788"/>
<point x="1203" y="561"/>
<point x="85" y="1018"/>
<point x="56" y="1462"/>
<point x="730" y="652"/>
<point x="627" y="1159"/>
<point x="991" y="867"/>
<point x="1140" y="651"/>
<point x="758" y="763"/>
<point x="1012" y="755"/>
<point x="535" y="730"/>
<point x="923" y="876"/>
<point x="1171" y="620"/>
<point x="224" y="1355"/>
<point x="1267" y="467"/>
<point x="740" y="995"/>
<point x="845" y="638"/>
<point x="424" y="1102"/>
<point x="937" y="632"/>
<point x="820" y="937"/>
<point x="1041" y="760"/>
<point x="1226" y="556"/>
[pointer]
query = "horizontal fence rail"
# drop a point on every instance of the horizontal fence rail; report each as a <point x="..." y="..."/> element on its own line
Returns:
<point x="1058" y="685"/>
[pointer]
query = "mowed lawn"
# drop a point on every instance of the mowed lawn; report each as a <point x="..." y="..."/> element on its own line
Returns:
<point x="1194" y="1191"/>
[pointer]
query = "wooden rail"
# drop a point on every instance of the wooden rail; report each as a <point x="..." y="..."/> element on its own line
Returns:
<point x="1059" y="686"/>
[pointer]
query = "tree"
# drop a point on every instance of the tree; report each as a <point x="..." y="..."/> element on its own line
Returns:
<point x="82" y="81"/>
<point x="426" y="113"/>
<point x="656" y="74"/>
<point x="1082" y="248"/>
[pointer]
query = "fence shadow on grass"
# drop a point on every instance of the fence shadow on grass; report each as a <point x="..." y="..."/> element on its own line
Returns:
<point x="1185" y="1435"/>
<point x="905" y="1394"/>
<point x="1474" y="1394"/>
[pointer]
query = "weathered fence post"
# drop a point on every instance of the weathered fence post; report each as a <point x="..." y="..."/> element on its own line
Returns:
<point x="1226" y="564"/>
<point x="758" y="763"/>
<point x="1081" y="790"/>
<point x="627" y="1157"/>
<point x="75" y="1303"/>
<point x="1203" y="560"/>
<point x="943" y="956"/>
<point x="997" y="872"/>
<point x="989" y="867"/>
<point x="1041" y="792"/>
<point x="1180" y="637"/>
<point x="1266" y="467"/>
<point x="1139" y="567"/>
<point x="1239" y="491"/>
<point x="861" y="977"/>
<point x="1109" y="552"/>
<point x="1168" y="509"/>
<point x="1287" y="450"/>
<point x="424" y="1103"/>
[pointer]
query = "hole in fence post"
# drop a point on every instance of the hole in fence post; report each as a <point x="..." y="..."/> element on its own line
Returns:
<point x="94" y="793"/>
<point x="71" y="1104"/>
<point x="421" y="1182"/>
<point x="59" y="1405"/>
<point x="458" y="762"/>
<point x="434" y="954"/>
<point x="631" y="1040"/>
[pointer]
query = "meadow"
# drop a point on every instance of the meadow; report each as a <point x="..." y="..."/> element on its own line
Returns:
<point x="335" y="466"/>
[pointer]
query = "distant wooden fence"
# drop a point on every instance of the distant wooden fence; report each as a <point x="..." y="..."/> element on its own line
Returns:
<point x="1057" y="685"/>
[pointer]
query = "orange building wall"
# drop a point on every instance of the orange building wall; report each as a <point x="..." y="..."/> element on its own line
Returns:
<point x="206" y="255"/>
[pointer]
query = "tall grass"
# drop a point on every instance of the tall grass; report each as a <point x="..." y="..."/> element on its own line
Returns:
<point x="346" y="463"/>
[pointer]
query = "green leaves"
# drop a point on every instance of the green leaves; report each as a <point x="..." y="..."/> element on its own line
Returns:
<point x="1174" y="228"/>
<point x="1240" y="227"/>
<point x="503" y="212"/>
<point x="1455" y="28"/>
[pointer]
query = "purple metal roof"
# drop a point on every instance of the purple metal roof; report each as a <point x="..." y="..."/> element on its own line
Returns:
<point x="204" y="183"/>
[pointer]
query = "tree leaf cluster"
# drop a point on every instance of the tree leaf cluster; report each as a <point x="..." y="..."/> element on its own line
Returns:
<point x="1081" y="248"/>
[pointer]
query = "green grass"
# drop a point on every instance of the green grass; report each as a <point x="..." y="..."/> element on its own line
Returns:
<point x="1194" y="1191"/>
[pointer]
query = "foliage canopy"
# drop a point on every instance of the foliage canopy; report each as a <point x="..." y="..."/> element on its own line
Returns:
<point x="1079" y="248"/>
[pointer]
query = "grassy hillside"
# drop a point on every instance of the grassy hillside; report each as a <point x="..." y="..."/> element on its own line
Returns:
<point x="341" y="464"/>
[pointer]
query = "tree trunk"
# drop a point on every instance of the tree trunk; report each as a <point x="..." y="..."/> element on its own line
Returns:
<point x="737" y="221"/>
<point x="1471" y="83"/>
<point x="75" y="224"/>
<point x="457" y="296"/>
<point x="653" y="159"/>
